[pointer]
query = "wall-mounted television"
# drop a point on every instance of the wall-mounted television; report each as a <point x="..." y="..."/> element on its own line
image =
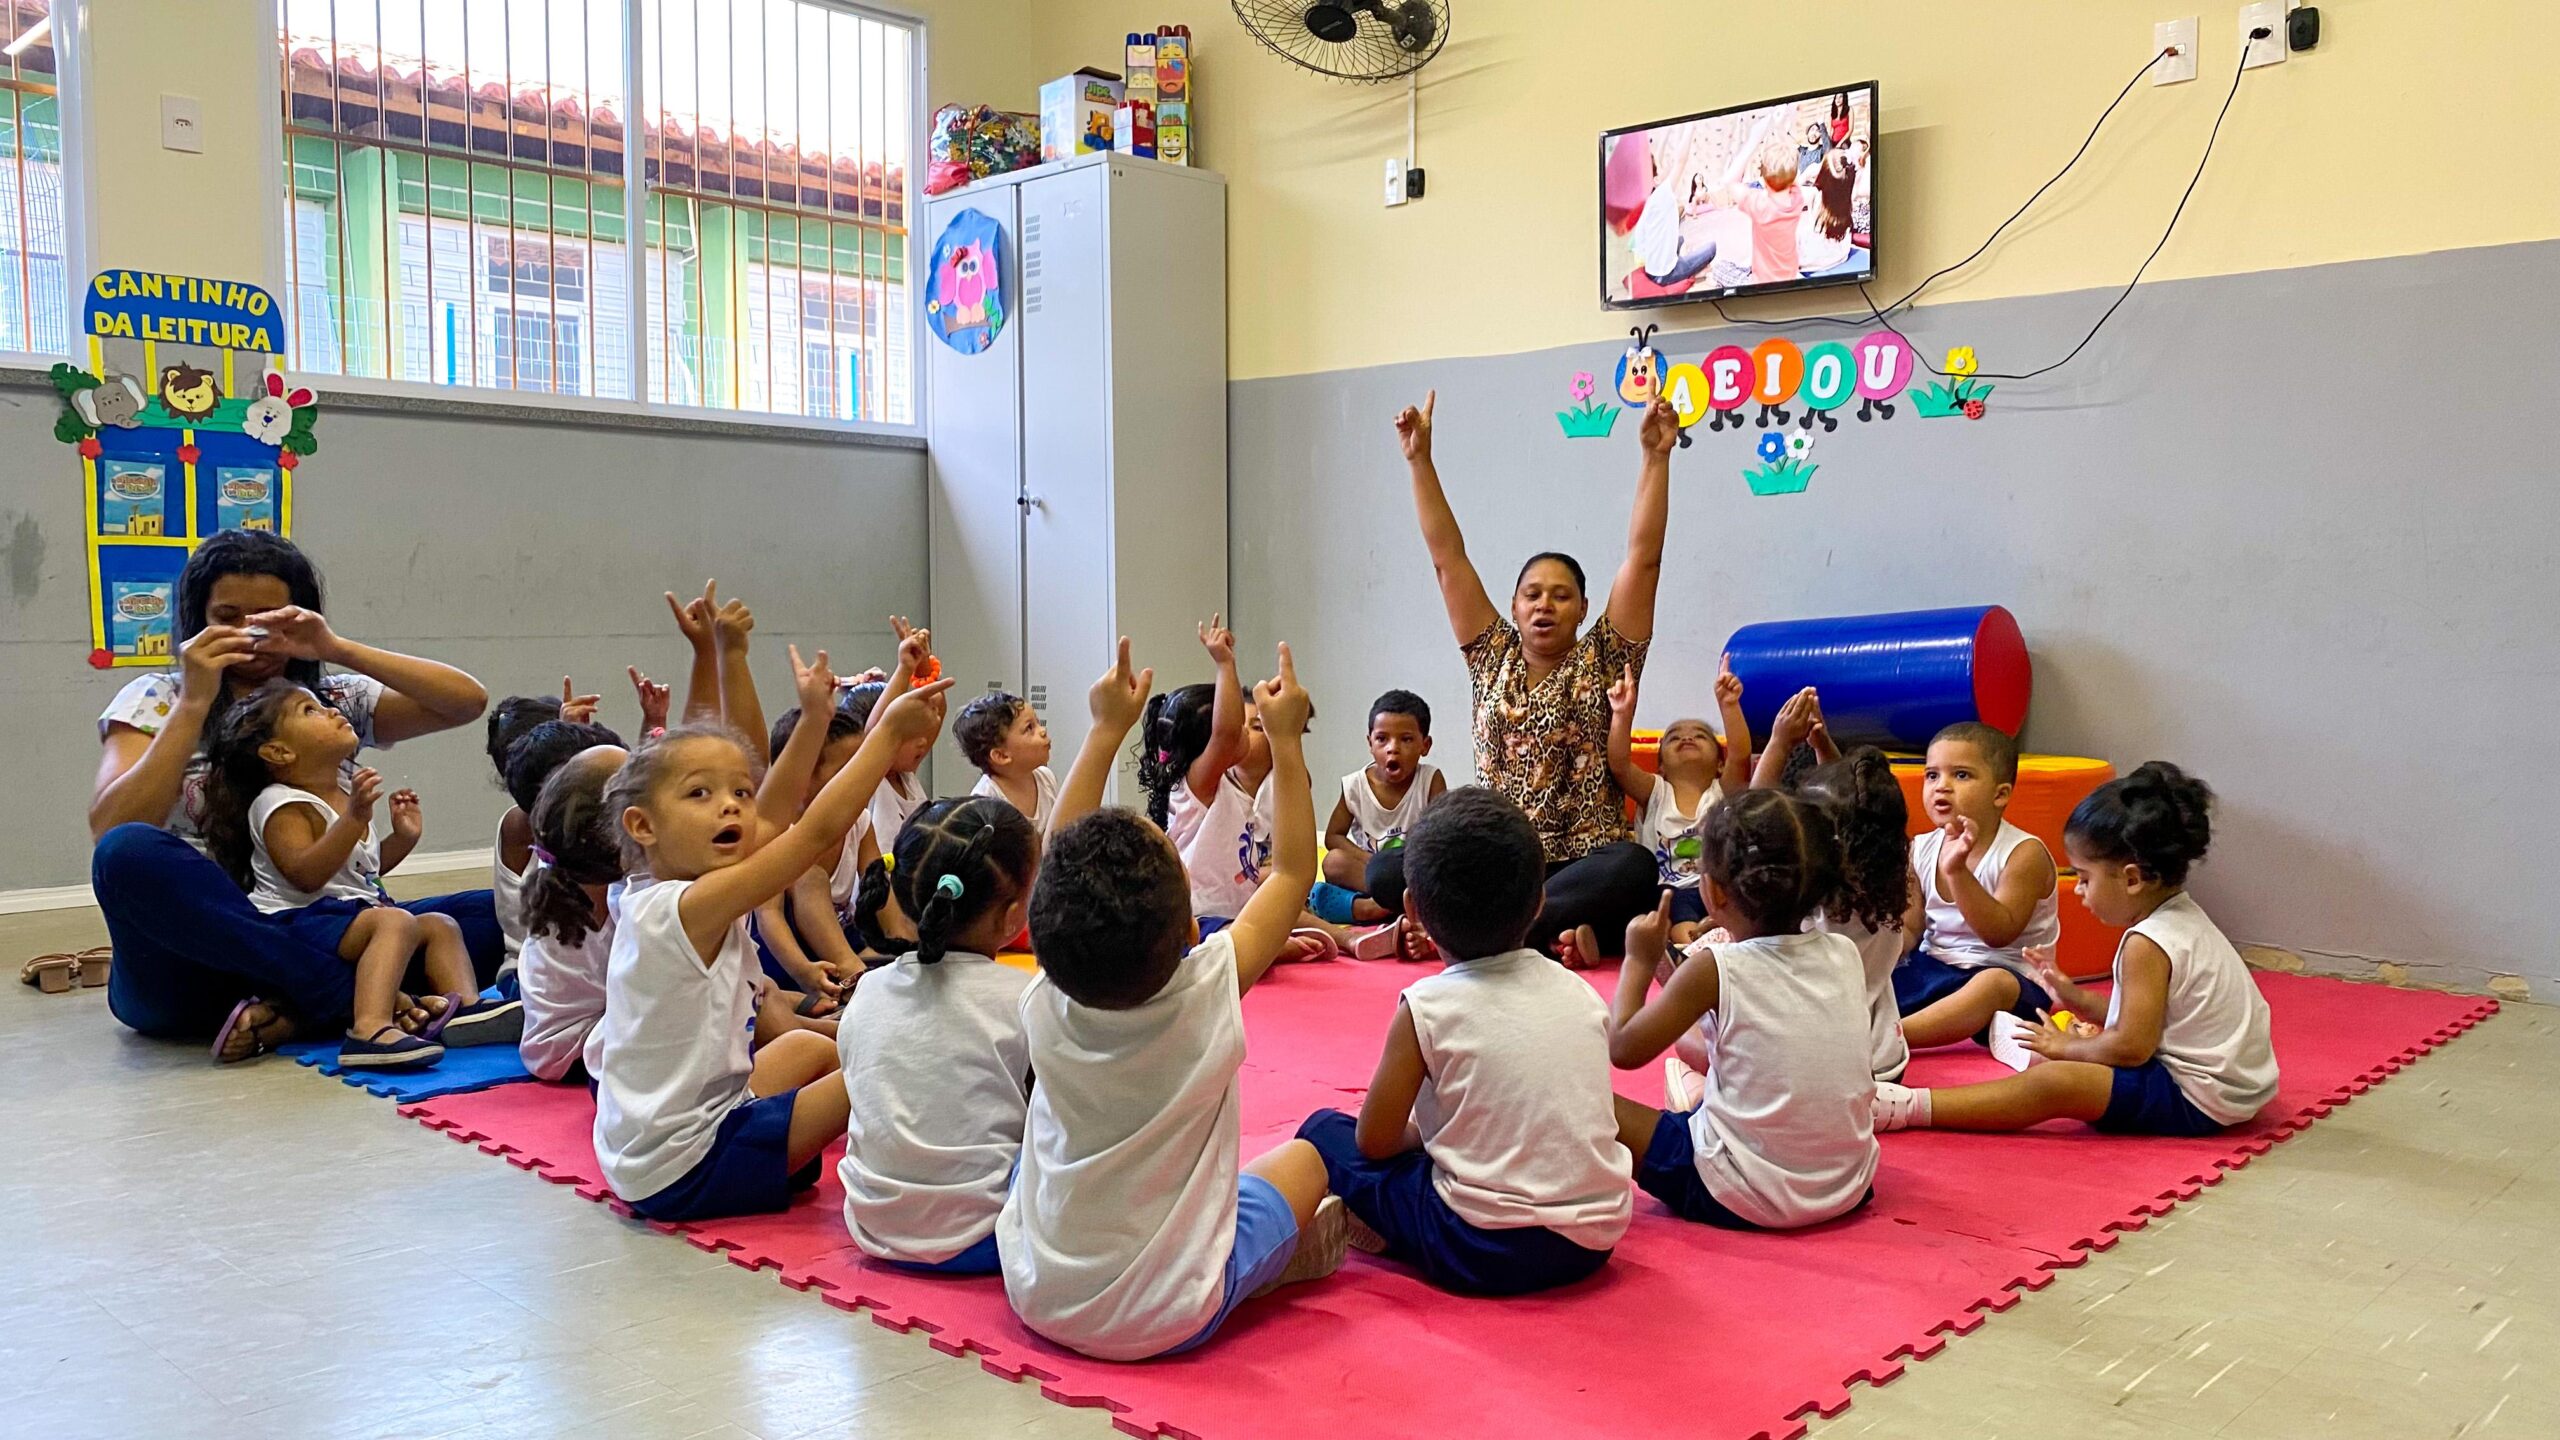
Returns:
<point x="1773" y="195"/>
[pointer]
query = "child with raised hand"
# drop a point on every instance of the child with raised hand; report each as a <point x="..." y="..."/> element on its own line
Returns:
<point x="1985" y="893"/>
<point x="1486" y="1154"/>
<point x="901" y="794"/>
<point x="1202" y="761"/>
<point x="935" y="1062"/>
<point x="688" y="1125"/>
<point x="805" y="939"/>
<point x="1783" y="1135"/>
<point x="1696" y="769"/>
<point x="721" y="687"/>
<point x="2188" y="1047"/>
<point x="1129" y="1231"/>
<point x="1380" y="802"/>
<point x="289" y="821"/>
<point x="1003" y="737"/>
<point x="571" y="890"/>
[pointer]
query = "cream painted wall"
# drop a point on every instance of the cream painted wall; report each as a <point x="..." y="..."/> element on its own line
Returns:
<point x="218" y="213"/>
<point x="2398" y="135"/>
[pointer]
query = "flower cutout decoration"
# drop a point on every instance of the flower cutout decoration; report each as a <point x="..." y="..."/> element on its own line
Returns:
<point x="1584" y="385"/>
<point x="89" y="447"/>
<point x="1799" y="445"/>
<point x="1773" y="448"/>
<point x="189" y="454"/>
<point x="1960" y="361"/>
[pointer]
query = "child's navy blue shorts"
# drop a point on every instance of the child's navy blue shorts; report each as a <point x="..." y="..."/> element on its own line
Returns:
<point x="322" y="924"/>
<point x="1922" y="980"/>
<point x="980" y="1258"/>
<point x="1689" y="905"/>
<point x="1668" y="1171"/>
<point x="747" y="1172"/>
<point x="1396" y="1198"/>
<point x="2147" y="1101"/>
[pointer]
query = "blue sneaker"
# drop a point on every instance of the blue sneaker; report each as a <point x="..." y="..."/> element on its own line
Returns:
<point x="389" y="1048"/>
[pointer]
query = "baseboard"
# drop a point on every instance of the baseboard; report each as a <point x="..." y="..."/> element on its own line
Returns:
<point x="78" y="897"/>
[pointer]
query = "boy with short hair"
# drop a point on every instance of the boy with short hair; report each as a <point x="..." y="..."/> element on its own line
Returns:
<point x="1380" y="802"/>
<point x="1005" y="739"/>
<point x="1487" y="1152"/>
<point x="1986" y="892"/>
<point x="1130" y="1231"/>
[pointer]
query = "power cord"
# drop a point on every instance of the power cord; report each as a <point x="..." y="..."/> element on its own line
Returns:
<point x="1881" y="315"/>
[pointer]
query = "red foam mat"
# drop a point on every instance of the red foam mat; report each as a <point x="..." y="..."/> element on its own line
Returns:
<point x="1961" y="1224"/>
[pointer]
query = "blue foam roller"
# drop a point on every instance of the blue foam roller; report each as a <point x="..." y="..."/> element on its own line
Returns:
<point x="1890" y="680"/>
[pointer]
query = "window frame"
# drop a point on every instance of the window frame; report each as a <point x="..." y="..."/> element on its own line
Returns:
<point x="635" y="301"/>
<point x="79" y="192"/>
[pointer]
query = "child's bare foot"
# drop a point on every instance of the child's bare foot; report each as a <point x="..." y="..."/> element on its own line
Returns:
<point x="1414" y="941"/>
<point x="1578" y="949"/>
<point x="254" y="1028"/>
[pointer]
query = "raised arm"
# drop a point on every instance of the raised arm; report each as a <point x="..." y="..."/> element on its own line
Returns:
<point x="740" y="710"/>
<point x="915" y="646"/>
<point x="1795" y="721"/>
<point x="1226" y="717"/>
<point x="1622" y="739"/>
<point x="1264" y="925"/>
<point x="139" y="775"/>
<point x="717" y="900"/>
<point x="1737" y="730"/>
<point x="1640" y="574"/>
<point x="1115" y="702"/>
<point x="702" y="683"/>
<point x="419" y="697"/>
<point x="1461" y="589"/>
<point x="787" y="782"/>
<point x="1640" y="1029"/>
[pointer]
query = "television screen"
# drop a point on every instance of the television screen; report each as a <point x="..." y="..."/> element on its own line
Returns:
<point x="1776" y="195"/>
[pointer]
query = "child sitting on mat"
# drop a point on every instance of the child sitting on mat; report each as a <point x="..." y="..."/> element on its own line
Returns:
<point x="688" y="1125"/>
<point x="292" y="822"/>
<point x="573" y="883"/>
<point x="1129" y="1231"/>
<point x="1206" y="766"/>
<point x="1696" y="770"/>
<point x="901" y="793"/>
<point x="1985" y="893"/>
<point x="2187" y="1048"/>
<point x="936" y="1066"/>
<point x="1363" y="869"/>
<point x="1783" y="1137"/>
<point x="510" y="720"/>
<point x="803" y="937"/>
<point x="1003" y="737"/>
<point x="1486" y="1154"/>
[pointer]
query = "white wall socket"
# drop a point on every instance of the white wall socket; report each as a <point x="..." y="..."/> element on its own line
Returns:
<point x="2179" y="35"/>
<point x="182" y="124"/>
<point x="1395" y="182"/>
<point x="2270" y="51"/>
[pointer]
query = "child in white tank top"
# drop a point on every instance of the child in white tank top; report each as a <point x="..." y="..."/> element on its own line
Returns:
<point x="1695" y="770"/>
<point x="1363" y="869"/>
<point x="1782" y="1137"/>
<point x="1985" y="891"/>
<point x="2188" y="1046"/>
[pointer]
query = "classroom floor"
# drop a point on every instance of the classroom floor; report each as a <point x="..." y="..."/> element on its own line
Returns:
<point x="254" y="1251"/>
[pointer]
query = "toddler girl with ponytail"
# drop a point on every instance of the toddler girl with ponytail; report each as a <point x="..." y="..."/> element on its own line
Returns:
<point x="576" y="864"/>
<point x="935" y="1063"/>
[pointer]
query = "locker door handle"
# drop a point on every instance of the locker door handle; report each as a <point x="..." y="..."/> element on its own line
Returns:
<point x="1032" y="502"/>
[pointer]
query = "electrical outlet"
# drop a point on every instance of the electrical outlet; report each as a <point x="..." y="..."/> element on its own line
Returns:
<point x="182" y="124"/>
<point x="2178" y="35"/>
<point x="2267" y="16"/>
<point x="1395" y="182"/>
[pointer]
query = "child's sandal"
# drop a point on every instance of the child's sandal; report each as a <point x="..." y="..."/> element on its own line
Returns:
<point x="389" y="1048"/>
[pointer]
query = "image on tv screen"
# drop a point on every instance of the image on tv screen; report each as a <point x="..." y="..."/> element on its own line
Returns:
<point x="1777" y="195"/>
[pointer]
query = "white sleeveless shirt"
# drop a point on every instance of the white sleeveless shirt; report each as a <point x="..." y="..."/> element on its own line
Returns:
<point x="2216" y="1035"/>
<point x="1225" y="844"/>
<point x="506" y="895"/>
<point x="1786" y="1134"/>
<point x="1514" y="1108"/>
<point x="670" y="1053"/>
<point x="1878" y="952"/>
<point x="1950" y="936"/>
<point x="1673" y="836"/>
<point x="1373" y="823"/>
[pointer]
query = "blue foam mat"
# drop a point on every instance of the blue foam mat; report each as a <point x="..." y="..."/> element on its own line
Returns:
<point x="460" y="1071"/>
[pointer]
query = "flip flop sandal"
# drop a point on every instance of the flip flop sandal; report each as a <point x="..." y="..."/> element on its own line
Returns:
<point x="434" y="1028"/>
<point x="222" y="1038"/>
<point x="1325" y="946"/>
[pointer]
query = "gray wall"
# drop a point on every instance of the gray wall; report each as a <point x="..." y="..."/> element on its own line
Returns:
<point x="518" y="551"/>
<point x="2290" y="530"/>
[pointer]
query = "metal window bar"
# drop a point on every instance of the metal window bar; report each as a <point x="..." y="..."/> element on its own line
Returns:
<point x="38" y="319"/>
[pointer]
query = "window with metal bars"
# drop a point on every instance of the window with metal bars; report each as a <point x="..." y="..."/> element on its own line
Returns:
<point x="35" y="280"/>
<point x="461" y="203"/>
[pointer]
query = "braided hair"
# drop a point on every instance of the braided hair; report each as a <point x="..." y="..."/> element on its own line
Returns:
<point x="1174" y="732"/>
<point x="956" y="862"/>
<point x="1778" y="857"/>
<point x="1867" y="809"/>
